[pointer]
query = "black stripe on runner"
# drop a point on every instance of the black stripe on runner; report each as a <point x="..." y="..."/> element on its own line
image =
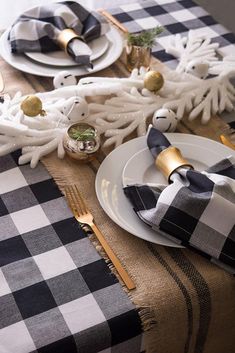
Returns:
<point x="183" y="290"/>
<point x="203" y="294"/>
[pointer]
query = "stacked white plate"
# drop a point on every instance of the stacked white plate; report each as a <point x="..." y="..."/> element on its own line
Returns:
<point x="132" y="163"/>
<point x="105" y="51"/>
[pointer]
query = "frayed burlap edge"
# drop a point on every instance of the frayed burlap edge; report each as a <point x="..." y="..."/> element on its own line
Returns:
<point x="68" y="176"/>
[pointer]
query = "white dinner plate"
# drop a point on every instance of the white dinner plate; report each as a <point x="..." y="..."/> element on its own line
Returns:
<point x="60" y="58"/>
<point x="25" y="64"/>
<point x="132" y="163"/>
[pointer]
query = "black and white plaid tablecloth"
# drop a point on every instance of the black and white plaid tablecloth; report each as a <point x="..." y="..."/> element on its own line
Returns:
<point x="56" y="293"/>
<point x="177" y="16"/>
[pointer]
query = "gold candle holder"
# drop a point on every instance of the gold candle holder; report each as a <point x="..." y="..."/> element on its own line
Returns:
<point x="169" y="160"/>
<point x="80" y="149"/>
<point x="137" y="56"/>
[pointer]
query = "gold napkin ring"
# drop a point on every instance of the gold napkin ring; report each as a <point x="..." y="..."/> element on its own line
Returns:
<point x="169" y="160"/>
<point x="65" y="37"/>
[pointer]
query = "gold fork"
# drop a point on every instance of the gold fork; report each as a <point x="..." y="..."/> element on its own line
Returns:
<point x="83" y="215"/>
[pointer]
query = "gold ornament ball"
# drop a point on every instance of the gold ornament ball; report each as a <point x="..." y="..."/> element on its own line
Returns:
<point x="32" y="106"/>
<point x="153" y="81"/>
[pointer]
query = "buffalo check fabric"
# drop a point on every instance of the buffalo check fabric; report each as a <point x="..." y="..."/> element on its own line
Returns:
<point x="197" y="209"/>
<point x="177" y="16"/>
<point x="37" y="29"/>
<point x="56" y="293"/>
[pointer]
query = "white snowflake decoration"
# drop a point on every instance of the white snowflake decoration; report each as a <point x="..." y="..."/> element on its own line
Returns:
<point x="130" y="105"/>
<point x="191" y="48"/>
<point x="41" y="135"/>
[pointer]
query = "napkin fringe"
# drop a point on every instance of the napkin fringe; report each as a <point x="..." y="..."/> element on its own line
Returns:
<point x="147" y="317"/>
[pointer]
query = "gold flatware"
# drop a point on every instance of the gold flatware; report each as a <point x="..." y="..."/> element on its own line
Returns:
<point x="113" y="20"/>
<point x="83" y="215"/>
<point x="227" y="142"/>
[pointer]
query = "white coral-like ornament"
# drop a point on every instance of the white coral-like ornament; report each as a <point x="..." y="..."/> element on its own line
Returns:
<point x="191" y="48"/>
<point x="128" y="106"/>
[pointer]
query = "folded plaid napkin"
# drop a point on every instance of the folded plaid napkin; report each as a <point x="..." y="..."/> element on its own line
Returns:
<point x="38" y="29"/>
<point x="197" y="209"/>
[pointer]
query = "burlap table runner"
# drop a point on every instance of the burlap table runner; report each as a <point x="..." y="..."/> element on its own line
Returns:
<point x="187" y="305"/>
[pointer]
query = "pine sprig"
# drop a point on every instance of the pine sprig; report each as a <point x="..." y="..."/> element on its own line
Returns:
<point x="79" y="135"/>
<point x="144" y="38"/>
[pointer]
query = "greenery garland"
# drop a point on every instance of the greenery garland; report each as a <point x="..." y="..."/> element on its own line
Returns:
<point x="84" y="135"/>
<point x="144" y="38"/>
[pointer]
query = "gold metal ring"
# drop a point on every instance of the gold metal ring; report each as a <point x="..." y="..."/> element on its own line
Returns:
<point x="65" y="37"/>
<point x="169" y="160"/>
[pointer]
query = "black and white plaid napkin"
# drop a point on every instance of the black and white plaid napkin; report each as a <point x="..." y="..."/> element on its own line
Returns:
<point x="56" y="293"/>
<point x="37" y="29"/>
<point x="197" y="209"/>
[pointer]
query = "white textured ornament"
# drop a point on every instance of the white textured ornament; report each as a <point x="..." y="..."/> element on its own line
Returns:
<point x="165" y="120"/>
<point x="78" y="111"/>
<point x="190" y="48"/>
<point x="63" y="79"/>
<point x="224" y="66"/>
<point x="198" y="68"/>
<point x="128" y="107"/>
<point x="75" y="109"/>
<point x="194" y="95"/>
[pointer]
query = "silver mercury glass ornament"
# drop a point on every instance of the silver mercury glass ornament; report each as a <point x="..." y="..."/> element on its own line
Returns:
<point x="81" y="142"/>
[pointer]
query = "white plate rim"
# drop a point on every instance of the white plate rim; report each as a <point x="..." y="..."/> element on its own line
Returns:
<point x="24" y="64"/>
<point x="143" y="153"/>
<point x="141" y="143"/>
<point x="46" y="58"/>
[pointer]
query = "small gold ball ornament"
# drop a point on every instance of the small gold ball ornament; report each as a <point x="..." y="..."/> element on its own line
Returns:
<point x="32" y="106"/>
<point x="153" y="81"/>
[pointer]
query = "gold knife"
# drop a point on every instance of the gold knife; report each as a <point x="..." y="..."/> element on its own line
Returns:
<point x="113" y="20"/>
<point x="227" y="142"/>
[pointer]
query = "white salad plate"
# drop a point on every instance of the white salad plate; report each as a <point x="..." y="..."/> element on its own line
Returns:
<point x="60" y="58"/>
<point x="132" y="163"/>
<point x="25" y="64"/>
